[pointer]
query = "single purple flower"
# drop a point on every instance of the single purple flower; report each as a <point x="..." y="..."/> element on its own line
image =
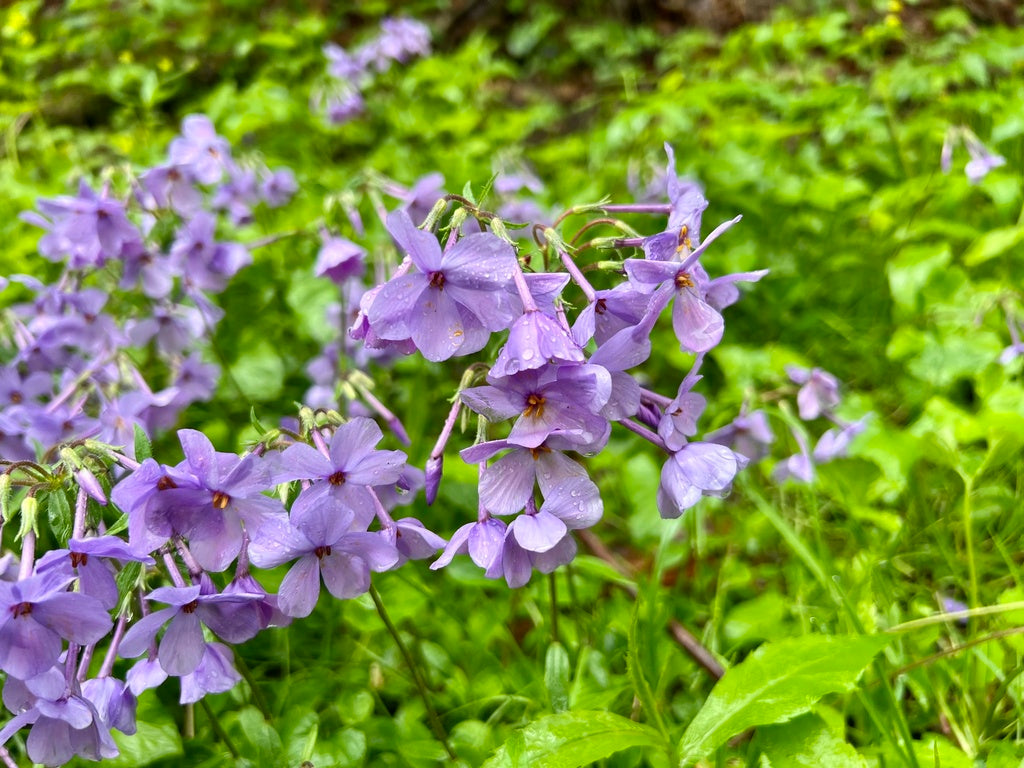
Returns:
<point x="279" y="187"/>
<point x="449" y="302"/>
<point x="835" y="442"/>
<point x="84" y="558"/>
<point x="748" y="434"/>
<point x="516" y="563"/>
<point x="200" y="149"/>
<point x="695" y="470"/>
<point x="482" y="541"/>
<point x="799" y="466"/>
<point x="571" y="505"/>
<point x="36" y="613"/>
<point x="215" y="673"/>
<point x="114" y="701"/>
<point x="819" y="391"/>
<point x="339" y="259"/>
<point x="171" y="186"/>
<point x="534" y="341"/>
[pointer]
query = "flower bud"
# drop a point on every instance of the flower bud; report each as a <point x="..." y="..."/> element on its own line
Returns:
<point x="433" y="477"/>
<point x="88" y="482"/>
<point x="29" y="510"/>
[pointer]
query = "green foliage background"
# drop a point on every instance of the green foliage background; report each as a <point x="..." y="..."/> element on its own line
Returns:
<point x="824" y="130"/>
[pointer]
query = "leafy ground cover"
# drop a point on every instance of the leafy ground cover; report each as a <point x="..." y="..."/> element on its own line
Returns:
<point x="870" y="616"/>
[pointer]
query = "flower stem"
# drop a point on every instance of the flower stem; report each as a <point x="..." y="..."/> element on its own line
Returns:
<point x="218" y="729"/>
<point x="421" y="685"/>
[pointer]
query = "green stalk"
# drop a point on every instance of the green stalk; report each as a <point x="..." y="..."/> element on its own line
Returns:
<point x="417" y="675"/>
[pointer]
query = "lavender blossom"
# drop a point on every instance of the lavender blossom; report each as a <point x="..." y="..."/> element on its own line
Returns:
<point x="819" y="391"/>
<point x="748" y="434"/>
<point x="201" y="150"/>
<point x="697" y="469"/>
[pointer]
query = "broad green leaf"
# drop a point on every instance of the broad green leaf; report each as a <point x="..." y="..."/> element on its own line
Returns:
<point x="910" y="270"/>
<point x="143" y="447"/>
<point x="776" y="683"/>
<point x="573" y="739"/>
<point x="58" y="512"/>
<point x="993" y="243"/>
<point x="807" y="742"/>
<point x="556" y="676"/>
<point x="157" y="738"/>
<point x="259" y="373"/>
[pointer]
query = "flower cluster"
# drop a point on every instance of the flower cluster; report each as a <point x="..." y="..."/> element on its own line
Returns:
<point x="399" y="40"/>
<point x="561" y="381"/>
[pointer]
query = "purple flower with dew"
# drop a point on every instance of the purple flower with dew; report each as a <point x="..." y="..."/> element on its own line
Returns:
<point x="340" y="259"/>
<point x="403" y="492"/>
<point x="215" y="673"/>
<point x="534" y="341"/>
<point x="268" y="612"/>
<point x="170" y="186"/>
<point x="571" y="505"/>
<point x="516" y="564"/>
<point x="412" y="540"/>
<point x="835" y="442"/>
<point x="748" y="434"/>
<point x="329" y="543"/>
<point x="84" y="558"/>
<point x="482" y="541"/>
<point x="64" y="723"/>
<point x="230" y="493"/>
<point x="114" y="702"/>
<point x="182" y="646"/>
<point x="146" y="674"/>
<point x="87" y="229"/>
<point x="446" y="303"/>
<point x="507" y="485"/>
<point x="696" y="470"/>
<point x="799" y="466"/>
<point x="819" y="391"/>
<point x="36" y="613"/>
<point x="360" y="329"/>
<point x="679" y="420"/>
<point x="611" y="311"/>
<point x="351" y="466"/>
<point x="279" y="187"/>
<point x="201" y="150"/>
<point x="564" y="399"/>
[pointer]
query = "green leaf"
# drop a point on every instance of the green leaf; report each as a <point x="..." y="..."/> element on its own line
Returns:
<point x="143" y="447"/>
<point x="910" y="271"/>
<point x="573" y="739"/>
<point x="776" y="683"/>
<point x="259" y="373"/>
<point x="993" y="243"/>
<point x="808" y="742"/>
<point x="556" y="676"/>
<point x="157" y="738"/>
<point x="58" y="512"/>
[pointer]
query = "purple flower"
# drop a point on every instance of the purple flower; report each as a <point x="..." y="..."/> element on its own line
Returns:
<point x="64" y="723"/>
<point x="799" y="466"/>
<point x="114" y="701"/>
<point x="680" y="418"/>
<point x="238" y="195"/>
<point x="982" y="160"/>
<point x="345" y="107"/>
<point x="450" y="302"/>
<point x="688" y="203"/>
<point x="482" y="541"/>
<point x="818" y="394"/>
<point x="279" y="187"/>
<point x="200" y="149"/>
<point x="329" y="543"/>
<point x="1012" y="352"/>
<point x="421" y="197"/>
<point x="835" y="442"/>
<point x="36" y="613"/>
<point x="412" y="540"/>
<point x="343" y="65"/>
<point x="535" y="340"/>
<point x="215" y="673"/>
<point x="339" y="259"/>
<point x="84" y="558"/>
<point x="571" y="505"/>
<point x="695" y="470"/>
<point x="748" y="434"/>
<point x="352" y="466"/>
<point x="516" y="563"/>
<point x="563" y="398"/>
<point x="171" y="186"/>
<point x="182" y="646"/>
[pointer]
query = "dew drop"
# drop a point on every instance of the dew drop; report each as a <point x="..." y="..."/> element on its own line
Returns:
<point x="527" y="354"/>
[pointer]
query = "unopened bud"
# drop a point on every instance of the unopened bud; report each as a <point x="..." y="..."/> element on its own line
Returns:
<point x="29" y="510"/>
<point x="5" y="497"/>
<point x="433" y="472"/>
<point x="88" y="482"/>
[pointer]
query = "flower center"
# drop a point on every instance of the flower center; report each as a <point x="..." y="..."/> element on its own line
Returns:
<point x="338" y="478"/>
<point x="79" y="558"/>
<point x="600" y="307"/>
<point x="540" y="449"/>
<point x="21" y="609"/>
<point x="16" y="397"/>
<point x="684" y="241"/>
<point x="534" y="406"/>
<point x="165" y="483"/>
<point x="221" y="500"/>
<point x="190" y="607"/>
<point x="683" y="280"/>
<point x="322" y="551"/>
<point x="437" y="279"/>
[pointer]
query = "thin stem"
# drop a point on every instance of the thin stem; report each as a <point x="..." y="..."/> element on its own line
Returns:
<point x="417" y="675"/>
<point x="595" y="223"/>
<point x="172" y="569"/>
<point x="658" y="208"/>
<point x="6" y="759"/>
<point x="28" y="556"/>
<point x="219" y="729"/>
<point x="189" y="726"/>
<point x="577" y="277"/>
<point x="81" y="506"/>
<point x="257" y="695"/>
<point x="553" y="591"/>
<point x="644" y="432"/>
<point x="679" y="633"/>
<point x="529" y="305"/>
<point x="972" y="568"/>
<point x="111" y="657"/>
